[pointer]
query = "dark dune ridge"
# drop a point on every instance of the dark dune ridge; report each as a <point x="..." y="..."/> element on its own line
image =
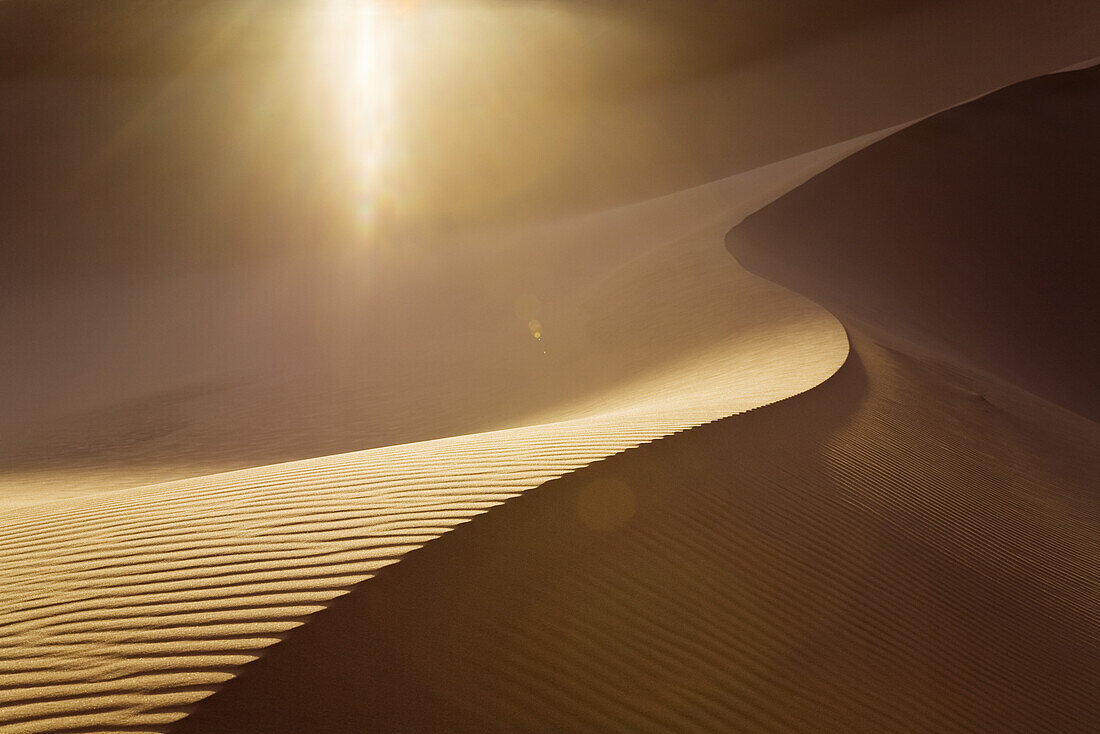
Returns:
<point x="972" y="234"/>
<point x="911" y="546"/>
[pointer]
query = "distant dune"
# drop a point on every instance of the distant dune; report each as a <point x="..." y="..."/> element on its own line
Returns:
<point x="971" y="235"/>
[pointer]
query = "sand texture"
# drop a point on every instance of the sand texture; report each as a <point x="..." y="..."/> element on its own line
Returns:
<point x="910" y="546"/>
<point x="767" y="404"/>
<point x="121" y="609"/>
<point x="883" y="553"/>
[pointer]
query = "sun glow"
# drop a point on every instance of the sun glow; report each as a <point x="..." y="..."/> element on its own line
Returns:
<point x="447" y="110"/>
<point x="358" y="47"/>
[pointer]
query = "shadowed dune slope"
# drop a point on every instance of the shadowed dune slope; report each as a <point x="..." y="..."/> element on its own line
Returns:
<point x="884" y="553"/>
<point x="972" y="234"/>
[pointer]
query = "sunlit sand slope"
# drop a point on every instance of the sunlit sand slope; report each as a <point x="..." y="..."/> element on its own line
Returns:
<point x="122" y="609"/>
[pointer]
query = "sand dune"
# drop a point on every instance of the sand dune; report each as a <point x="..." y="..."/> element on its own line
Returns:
<point x="122" y="609"/>
<point x="911" y="546"/>
<point x="317" y="367"/>
<point x="882" y="553"/>
<point x="587" y="539"/>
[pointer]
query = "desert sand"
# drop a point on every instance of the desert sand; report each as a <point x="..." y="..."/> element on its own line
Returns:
<point x="585" y="456"/>
<point x="909" y="546"/>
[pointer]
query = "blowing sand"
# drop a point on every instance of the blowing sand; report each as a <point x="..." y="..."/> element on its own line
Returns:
<point x="620" y="484"/>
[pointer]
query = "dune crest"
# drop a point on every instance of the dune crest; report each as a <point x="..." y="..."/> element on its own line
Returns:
<point x="880" y="553"/>
<point x="124" y="608"/>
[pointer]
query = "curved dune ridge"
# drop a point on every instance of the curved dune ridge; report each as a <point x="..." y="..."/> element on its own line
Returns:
<point x="882" y="553"/>
<point x="122" y="609"/>
<point x="910" y="546"/>
<point x="652" y="315"/>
